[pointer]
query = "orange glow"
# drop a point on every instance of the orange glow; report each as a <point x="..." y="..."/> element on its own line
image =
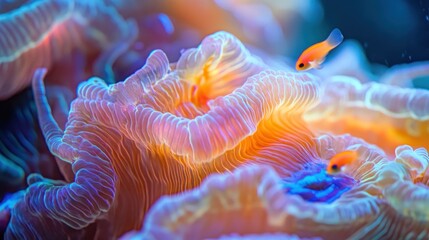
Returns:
<point x="384" y="132"/>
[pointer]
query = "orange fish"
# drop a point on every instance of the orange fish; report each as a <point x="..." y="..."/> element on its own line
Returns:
<point x="314" y="56"/>
<point x="340" y="160"/>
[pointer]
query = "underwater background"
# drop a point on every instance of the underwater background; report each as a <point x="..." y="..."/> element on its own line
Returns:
<point x="191" y="119"/>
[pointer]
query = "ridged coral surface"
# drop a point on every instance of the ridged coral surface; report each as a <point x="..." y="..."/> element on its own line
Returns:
<point x="349" y="106"/>
<point x="373" y="207"/>
<point x="40" y="33"/>
<point x="222" y="142"/>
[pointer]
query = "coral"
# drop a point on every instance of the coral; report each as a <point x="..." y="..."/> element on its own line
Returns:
<point x="155" y="134"/>
<point x="220" y="141"/>
<point x="360" y="108"/>
<point x="22" y="148"/>
<point x="42" y="206"/>
<point x="402" y="75"/>
<point x="315" y="185"/>
<point x="61" y="27"/>
<point x="255" y="195"/>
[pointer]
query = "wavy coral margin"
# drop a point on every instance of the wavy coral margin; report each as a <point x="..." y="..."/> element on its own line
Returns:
<point x="250" y="201"/>
<point x="76" y="204"/>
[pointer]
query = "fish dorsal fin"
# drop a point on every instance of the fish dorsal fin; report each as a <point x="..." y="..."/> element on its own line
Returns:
<point x="335" y="38"/>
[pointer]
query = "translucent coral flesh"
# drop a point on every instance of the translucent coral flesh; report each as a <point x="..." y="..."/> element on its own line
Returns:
<point x="18" y="47"/>
<point x="137" y="143"/>
<point x="359" y="109"/>
<point x="220" y="144"/>
<point x="42" y="32"/>
<point x="176" y="147"/>
<point x="67" y="206"/>
<point x="254" y="195"/>
<point x="22" y="149"/>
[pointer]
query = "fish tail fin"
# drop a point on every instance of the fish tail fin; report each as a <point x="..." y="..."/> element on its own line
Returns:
<point x="335" y="38"/>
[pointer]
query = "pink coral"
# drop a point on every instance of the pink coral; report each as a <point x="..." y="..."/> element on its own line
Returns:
<point x="153" y="134"/>
<point x="348" y="106"/>
<point x="254" y="195"/>
<point x="50" y="31"/>
<point x="223" y="126"/>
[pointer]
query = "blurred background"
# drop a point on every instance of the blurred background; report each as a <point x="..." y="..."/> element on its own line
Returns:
<point x="391" y="32"/>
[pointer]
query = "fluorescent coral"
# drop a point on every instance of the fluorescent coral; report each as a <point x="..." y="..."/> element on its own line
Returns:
<point x="22" y="149"/>
<point x="359" y="109"/>
<point x="218" y="141"/>
<point x="256" y="195"/>
<point x="187" y="138"/>
<point x="61" y="27"/>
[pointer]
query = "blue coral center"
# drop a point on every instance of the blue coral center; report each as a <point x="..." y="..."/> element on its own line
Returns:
<point x="314" y="185"/>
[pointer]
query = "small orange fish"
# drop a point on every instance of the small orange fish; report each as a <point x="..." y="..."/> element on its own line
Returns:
<point x="340" y="160"/>
<point x="314" y="56"/>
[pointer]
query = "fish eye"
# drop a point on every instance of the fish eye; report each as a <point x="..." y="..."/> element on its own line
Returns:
<point x="334" y="167"/>
<point x="301" y="65"/>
